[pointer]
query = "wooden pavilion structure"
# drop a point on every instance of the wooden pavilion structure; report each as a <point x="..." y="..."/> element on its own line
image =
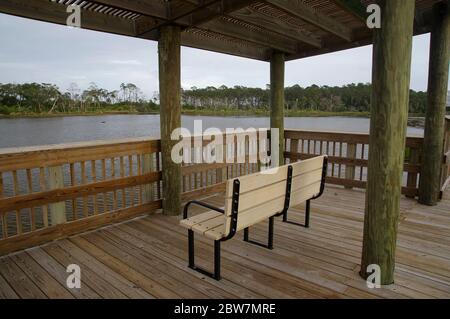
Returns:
<point x="282" y="30"/>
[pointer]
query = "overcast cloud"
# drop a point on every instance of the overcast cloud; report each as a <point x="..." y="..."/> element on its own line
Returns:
<point x="32" y="51"/>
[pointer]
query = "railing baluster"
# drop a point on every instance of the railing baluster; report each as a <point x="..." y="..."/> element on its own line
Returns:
<point x="122" y="174"/>
<point x="84" y="182"/>
<point x="130" y="172"/>
<point x="17" y="212"/>
<point x="350" y="169"/>
<point x="103" y="164"/>
<point x="73" y="183"/>
<point x="3" y="214"/>
<point x="334" y="154"/>
<point x="113" y="176"/>
<point x="139" y="172"/>
<point x="158" y="168"/>
<point x="293" y="148"/>
<point x="412" y="176"/>
<point x="94" y="179"/>
<point x="33" y="209"/>
<point x="361" y="171"/>
<point x="43" y="188"/>
<point x="340" y="156"/>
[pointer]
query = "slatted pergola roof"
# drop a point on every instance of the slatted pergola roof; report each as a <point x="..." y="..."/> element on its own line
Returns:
<point x="247" y="28"/>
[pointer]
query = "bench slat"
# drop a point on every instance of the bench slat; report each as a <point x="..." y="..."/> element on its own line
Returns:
<point x="201" y="218"/>
<point x="201" y="228"/>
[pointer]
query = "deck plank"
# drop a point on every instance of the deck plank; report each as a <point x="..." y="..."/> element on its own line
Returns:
<point x="147" y="258"/>
<point x="91" y="283"/>
<point x="58" y="271"/>
<point x="19" y="281"/>
<point x="46" y="282"/>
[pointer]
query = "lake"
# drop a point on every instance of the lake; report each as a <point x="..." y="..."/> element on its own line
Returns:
<point x="43" y="131"/>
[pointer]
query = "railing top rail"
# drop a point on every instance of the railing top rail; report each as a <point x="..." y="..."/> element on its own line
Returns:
<point x="75" y="145"/>
<point x="45" y="156"/>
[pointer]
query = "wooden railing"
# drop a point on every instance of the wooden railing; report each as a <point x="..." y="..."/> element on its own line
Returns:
<point x="52" y="192"/>
<point x="55" y="191"/>
<point x="445" y="174"/>
<point x="348" y="156"/>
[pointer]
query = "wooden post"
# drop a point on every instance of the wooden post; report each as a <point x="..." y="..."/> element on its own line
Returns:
<point x="56" y="181"/>
<point x="350" y="169"/>
<point x="277" y="99"/>
<point x="170" y="101"/>
<point x="390" y="99"/>
<point x="432" y="156"/>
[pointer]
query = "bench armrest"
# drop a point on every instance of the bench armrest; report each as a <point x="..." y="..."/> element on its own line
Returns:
<point x="186" y="207"/>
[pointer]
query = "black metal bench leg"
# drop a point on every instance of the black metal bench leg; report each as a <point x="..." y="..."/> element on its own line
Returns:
<point x="307" y="216"/>
<point x="307" y="212"/>
<point x="270" y="238"/>
<point x="217" y="259"/>
<point x="216" y="274"/>
<point x="191" y="249"/>
<point x="271" y="226"/>
<point x="246" y="234"/>
<point x="285" y="216"/>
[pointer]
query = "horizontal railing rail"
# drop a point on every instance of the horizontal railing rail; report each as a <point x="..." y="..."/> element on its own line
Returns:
<point x="50" y="192"/>
<point x="445" y="174"/>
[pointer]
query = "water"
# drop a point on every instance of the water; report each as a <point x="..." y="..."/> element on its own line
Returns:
<point x="43" y="131"/>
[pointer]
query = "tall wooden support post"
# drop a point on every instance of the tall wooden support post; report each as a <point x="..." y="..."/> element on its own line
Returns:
<point x="390" y="99"/>
<point x="432" y="156"/>
<point x="170" y="101"/>
<point x="277" y="99"/>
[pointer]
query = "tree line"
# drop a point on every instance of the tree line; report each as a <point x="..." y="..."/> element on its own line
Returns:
<point x="352" y="97"/>
<point x="48" y="98"/>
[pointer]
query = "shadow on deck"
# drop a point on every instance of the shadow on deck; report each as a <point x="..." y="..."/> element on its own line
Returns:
<point x="147" y="258"/>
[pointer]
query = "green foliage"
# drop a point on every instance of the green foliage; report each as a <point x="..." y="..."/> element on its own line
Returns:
<point x="350" y="98"/>
<point x="35" y="98"/>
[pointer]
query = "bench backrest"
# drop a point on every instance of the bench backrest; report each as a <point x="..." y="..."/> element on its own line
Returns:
<point x="263" y="194"/>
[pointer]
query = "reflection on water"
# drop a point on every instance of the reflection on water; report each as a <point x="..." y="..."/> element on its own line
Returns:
<point x="42" y="131"/>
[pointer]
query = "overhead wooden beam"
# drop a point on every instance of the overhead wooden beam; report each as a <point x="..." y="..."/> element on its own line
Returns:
<point x="197" y="39"/>
<point x="217" y="10"/>
<point x="254" y="35"/>
<point x="181" y="15"/>
<point x="354" y="7"/>
<point x="47" y="11"/>
<point x="309" y="15"/>
<point x="263" y="21"/>
<point x="149" y="8"/>
<point x="363" y="36"/>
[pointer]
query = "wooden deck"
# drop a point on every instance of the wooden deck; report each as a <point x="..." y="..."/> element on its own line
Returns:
<point x="147" y="258"/>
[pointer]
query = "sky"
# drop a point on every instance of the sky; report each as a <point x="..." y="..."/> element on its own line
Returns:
<point x="33" y="51"/>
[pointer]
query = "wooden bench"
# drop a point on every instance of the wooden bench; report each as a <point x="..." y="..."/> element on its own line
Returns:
<point x="252" y="199"/>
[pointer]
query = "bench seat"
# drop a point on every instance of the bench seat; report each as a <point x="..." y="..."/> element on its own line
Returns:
<point x="210" y="224"/>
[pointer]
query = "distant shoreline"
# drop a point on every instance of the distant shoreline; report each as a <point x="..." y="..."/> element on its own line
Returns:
<point x="414" y="120"/>
<point x="249" y="113"/>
